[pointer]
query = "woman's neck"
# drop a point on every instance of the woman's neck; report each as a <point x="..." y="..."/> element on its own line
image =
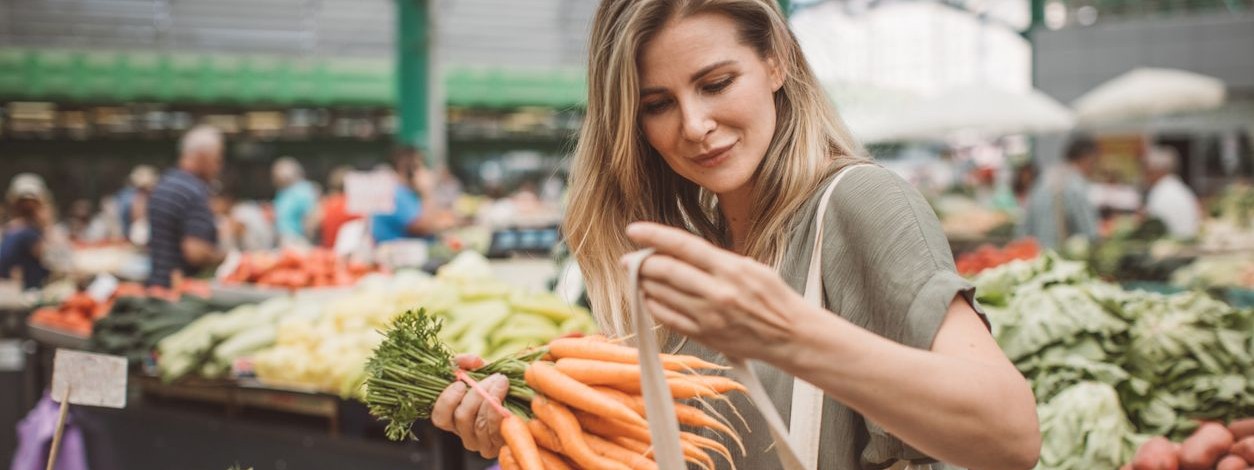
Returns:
<point x="735" y="206"/>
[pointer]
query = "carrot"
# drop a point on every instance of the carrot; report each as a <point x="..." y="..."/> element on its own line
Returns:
<point x="1201" y="450"/>
<point x="1241" y="428"/>
<point x="547" y="380"/>
<point x="1157" y="453"/>
<point x="613" y="451"/>
<point x="681" y="388"/>
<point x="688" y="415"/>
<point x="506" y="458"/>
<point x="544" y="436"/>
<point x="570" y="434"/>
<point x="553" y="461"/>
<point x="591" y="347"/>
<point x="703" y="442"/>
<point x="632" y="445"/>
<point x="593" y="372"/>
<point x="519" y="439"/>
<point x="1244" y="448"/>
<point x="608" y="428"/>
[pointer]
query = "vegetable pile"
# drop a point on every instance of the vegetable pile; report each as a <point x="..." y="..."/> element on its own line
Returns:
<point x="1110" y="366"/>
<point x="988" y="256"/>
<point x="292" y="269"/>
<point x="327" y="347"/>
<point x="77" y="312"/>
<point x="1212" y="446"/>
<point x="572" y="404"/>
<point x="136" y="324"/>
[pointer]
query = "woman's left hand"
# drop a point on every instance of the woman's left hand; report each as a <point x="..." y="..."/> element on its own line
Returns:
<point x="727" y="302"/>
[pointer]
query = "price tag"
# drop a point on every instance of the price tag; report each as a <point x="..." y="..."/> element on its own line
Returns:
<point x="102" y="287"/>
<point x="91" y="379"/>
<point x="371" y="192"/>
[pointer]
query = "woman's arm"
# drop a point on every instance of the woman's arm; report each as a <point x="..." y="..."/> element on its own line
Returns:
<point x="962" y="402"/>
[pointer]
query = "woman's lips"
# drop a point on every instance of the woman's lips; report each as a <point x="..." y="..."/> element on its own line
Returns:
<point x="714" y="157"/>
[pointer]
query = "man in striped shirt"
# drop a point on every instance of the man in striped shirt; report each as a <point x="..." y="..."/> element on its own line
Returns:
<point x="184" y="236"/>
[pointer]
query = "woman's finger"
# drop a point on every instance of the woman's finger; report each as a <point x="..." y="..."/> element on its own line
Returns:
<point x="678" y="274"/>
<point x="687" y="304"/>
<point x="488" y="421"/>
<point x="464" y="419"/>
<point x="675" y="242"/>
<point x="445" y="404"/>
<point x="676" y="321"/>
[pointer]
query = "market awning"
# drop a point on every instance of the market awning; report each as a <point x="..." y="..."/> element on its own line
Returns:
<point x="1149" y="92"/>
<point x="122" y="76"/>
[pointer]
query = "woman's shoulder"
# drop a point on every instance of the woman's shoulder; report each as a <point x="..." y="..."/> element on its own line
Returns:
<point x="869" y="196"/>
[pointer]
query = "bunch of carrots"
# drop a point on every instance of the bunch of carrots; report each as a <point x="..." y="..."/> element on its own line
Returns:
<point x="574" y="403"/>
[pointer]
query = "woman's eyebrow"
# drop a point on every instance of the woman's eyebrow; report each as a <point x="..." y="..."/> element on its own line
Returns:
<point x="695" y="76"/>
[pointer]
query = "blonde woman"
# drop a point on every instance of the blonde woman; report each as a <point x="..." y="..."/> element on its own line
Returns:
<point x="705" y="120"/>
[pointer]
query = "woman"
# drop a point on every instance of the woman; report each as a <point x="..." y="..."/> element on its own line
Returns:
<point x="22" y="249"/>
<point x="704" y="117"/>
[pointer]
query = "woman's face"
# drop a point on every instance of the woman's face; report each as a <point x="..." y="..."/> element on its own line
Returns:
<point x="706" y="101"/>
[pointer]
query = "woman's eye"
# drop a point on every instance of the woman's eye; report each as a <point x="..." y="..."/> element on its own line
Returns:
<point x="718" y="86"/>
<point x="656" y="106"/>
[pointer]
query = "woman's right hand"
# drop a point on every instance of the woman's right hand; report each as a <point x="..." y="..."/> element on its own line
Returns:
<point x="462" y="411"/>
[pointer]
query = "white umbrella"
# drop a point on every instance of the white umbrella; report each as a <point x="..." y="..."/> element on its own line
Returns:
<point x="988" y="113"/>
<point x="1149" y="92"/>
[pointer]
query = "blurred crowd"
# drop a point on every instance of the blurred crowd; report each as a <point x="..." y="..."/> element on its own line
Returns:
<point x="188" y="226"/>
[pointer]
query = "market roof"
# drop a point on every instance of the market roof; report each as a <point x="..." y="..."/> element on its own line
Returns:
<point x="115" y="76"/>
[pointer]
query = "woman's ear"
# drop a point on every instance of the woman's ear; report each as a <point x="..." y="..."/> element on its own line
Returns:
<point x="775" y="70"/>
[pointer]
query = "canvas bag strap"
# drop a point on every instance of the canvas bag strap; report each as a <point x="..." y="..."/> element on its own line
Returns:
<point x="806" y="423"/>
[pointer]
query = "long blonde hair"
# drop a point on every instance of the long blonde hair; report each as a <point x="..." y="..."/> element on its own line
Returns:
<point x="617" y="178"/>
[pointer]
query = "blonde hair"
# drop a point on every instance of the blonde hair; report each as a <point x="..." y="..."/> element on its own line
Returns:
<point x="617" y="178"/>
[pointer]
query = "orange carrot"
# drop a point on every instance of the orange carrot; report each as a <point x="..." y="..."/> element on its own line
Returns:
<point x="689" y="415"/>
<point x="506" y="459"/>
<point x="682" y="388"/>
<point x="568" y="431"/>
<point x="598" y="349"/>
<point x="707" y="443"/>
<point x="613" y="451"/>
<point x="594" y="372"/>
<point x="519" y="440"/>
<point x="608" y="428"/>
<point x="553" y="461"/>
<point x="544" y="436"/>
<point x="547" y="380"/>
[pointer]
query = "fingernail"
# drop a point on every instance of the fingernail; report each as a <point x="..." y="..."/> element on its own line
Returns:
<point x="634" y="228"/>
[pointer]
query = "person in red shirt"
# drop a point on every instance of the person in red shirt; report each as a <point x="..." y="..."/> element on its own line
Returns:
<point x="334" y="207"/>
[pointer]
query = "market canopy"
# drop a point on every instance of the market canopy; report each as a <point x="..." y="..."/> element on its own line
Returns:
<point x="1147" y="93"/>
<point x="120" y="76"/>
<point x="883" y="117"/>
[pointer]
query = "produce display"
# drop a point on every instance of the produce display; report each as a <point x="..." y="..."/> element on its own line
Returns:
<point x="209" y="345"/>
<point x="294" y="269"/>
<point x="135" y="325"/>
<point x="76" y="313"/>
<point x="1209" y="272"/>
<point x="1110" y="367"/>
<point x="1212" y="446"/>
<point x="573" y="403"/>
<point x="327" y="348"/>
<point x="988" y="256"/>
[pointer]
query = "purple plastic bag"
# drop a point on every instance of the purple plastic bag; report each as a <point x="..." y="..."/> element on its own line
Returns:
<point x="34" y="439"/>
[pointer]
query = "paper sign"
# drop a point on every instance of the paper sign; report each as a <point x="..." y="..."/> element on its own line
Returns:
<point x="371" y="192"/>
<point x="102" y="287"/>
<point x="93" y="379"/>
<point x="229" y="265"/>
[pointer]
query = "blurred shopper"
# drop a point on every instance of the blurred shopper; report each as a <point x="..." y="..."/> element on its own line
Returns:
<point x="1058" y="206"/>
<point x="184" y="236"/>
<point x="417" y="213"/>
<point x="77" y="220"/>
<point x="22" y="249"/>
<point x="132" y="200"/>
<point x="333" y="211"/>
<point x="294" y="203"/>
<point x="1169" y="199"/>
